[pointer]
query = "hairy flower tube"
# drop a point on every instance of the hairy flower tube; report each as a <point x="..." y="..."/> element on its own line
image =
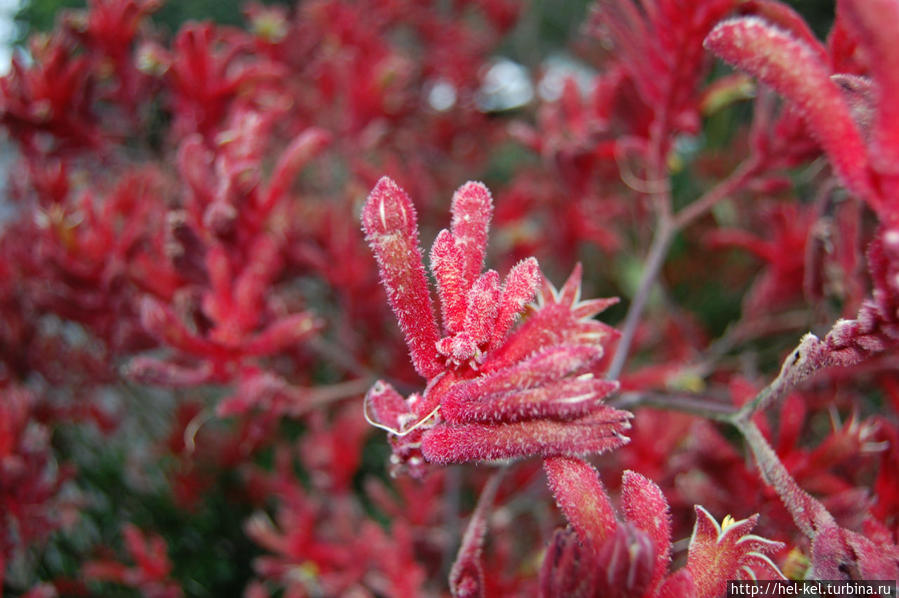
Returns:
<point x="494" y="391"/>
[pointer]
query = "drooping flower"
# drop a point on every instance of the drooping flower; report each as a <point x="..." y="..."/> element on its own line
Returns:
<point x="494" y="391"/>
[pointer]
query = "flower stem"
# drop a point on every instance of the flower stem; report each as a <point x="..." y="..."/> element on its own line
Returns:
<point x="808" y="513"/>
<point x="737" y="179"/>
<point x="686" y="403"/>
<point x="654" y="261"/>
<point x="668" y="227"/>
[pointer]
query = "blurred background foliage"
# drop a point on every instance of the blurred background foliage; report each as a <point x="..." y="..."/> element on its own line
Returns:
<point x="550" y="23"/>
<point x="548" y="26"/>
<point x="40" y="15"/>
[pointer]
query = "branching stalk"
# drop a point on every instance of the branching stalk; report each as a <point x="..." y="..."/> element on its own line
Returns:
<point x="654" y="261"/>
<point x="693" y="405"/>
<point x="737" y="180"/>
<point x="668" y="227"/>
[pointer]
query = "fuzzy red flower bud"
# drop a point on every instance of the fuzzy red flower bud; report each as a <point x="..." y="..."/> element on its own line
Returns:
<point x="391" y="229"/>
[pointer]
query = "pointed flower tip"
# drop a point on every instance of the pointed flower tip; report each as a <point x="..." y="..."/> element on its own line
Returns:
<point x="388" y="210"/>
<point x="796" y="71"/>
<point x="572" y="286"/>
<point x="747" y="38"/>
<point x="632" y="479"/>
<point x="472" y="208"/>
<point x="728" y="551"/>
<point x="751" y="43"/>
<point x="472" y="194"/>
<point x="522" y="281"/>
<point x="592" y="307"/>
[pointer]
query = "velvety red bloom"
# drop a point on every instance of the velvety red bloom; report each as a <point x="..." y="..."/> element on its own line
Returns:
<point x="493" y="392"/>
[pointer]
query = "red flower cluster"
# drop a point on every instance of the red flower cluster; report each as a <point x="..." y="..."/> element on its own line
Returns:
<point x="190" y="317"/>
<point x="493" y="393"/>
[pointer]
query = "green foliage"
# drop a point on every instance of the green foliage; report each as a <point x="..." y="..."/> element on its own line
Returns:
<point x="818" y="14"/>
<point x="40" y="15"/>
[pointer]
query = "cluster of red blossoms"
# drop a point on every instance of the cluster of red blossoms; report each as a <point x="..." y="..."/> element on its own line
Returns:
<point x="198" y="366"/>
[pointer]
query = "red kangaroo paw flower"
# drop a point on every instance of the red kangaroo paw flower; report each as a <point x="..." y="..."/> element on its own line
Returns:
<point x="502" y="392"/>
